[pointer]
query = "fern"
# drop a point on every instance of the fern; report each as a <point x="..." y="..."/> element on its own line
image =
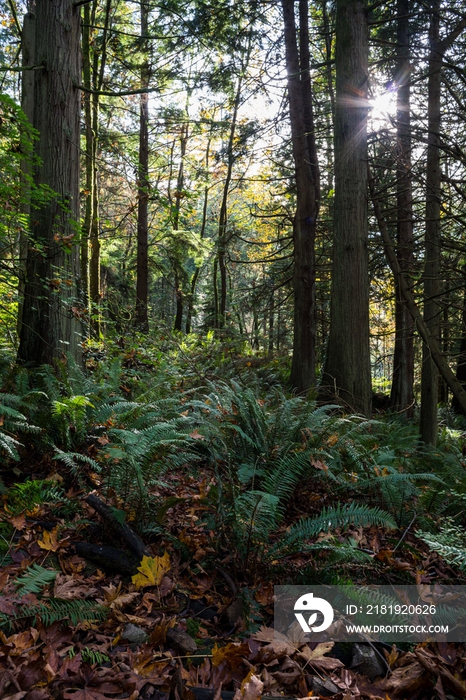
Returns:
<point x="329" y="519"/>
<point x="34" y="579"/>
<point x="450" y="543"/>
<point x="90" y="656"/>
<point x="55" y="610"/>
<point x="28" y="495"/>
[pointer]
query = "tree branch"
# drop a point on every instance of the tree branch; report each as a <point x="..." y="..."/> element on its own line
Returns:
<point x="108" y="93"/>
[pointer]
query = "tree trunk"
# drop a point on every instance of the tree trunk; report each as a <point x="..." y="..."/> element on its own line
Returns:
<point x="98" y="70"/>
<point x="142" y="282"/>
<point x="402" y="395"/>
<point x="50" y="315"/>
<point x="461" y="362"/>
<point x="347" y="373"/>
<point x="197" y="271"/>
<point x="28" y="42"/>
<point x="176" y="220"/>
<point x="89" y="166"/>
<point x="429" y="376"/>
<point x="302" y="375"/>
<point x="221" y="296"/>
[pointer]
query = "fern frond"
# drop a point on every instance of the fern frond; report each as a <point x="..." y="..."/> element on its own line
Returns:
<point x="54" y="610"/>
<point x="34" y="579"/>
<point x="73" y="460"/>
<point x="450" y="543"/>
<point x="329" y="519"/>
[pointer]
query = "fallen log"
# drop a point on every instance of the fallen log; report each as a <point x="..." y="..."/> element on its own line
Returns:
<point x="133" y="541"/>
<point x="108" y="557"/>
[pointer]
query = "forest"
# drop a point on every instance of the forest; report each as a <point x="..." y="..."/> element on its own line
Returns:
<point x="232" y="343"/>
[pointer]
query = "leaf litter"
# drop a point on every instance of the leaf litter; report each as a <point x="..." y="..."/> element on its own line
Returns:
<point x="180" y="603"/>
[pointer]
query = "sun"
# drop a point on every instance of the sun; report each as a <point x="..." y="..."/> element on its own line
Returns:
<point x="383" y="105"/>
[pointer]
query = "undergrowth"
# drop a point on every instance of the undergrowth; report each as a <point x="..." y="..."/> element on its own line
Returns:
<point x="136" y="417"/>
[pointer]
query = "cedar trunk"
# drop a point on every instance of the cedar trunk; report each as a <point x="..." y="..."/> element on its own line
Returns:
<point x="142" y="272"/>
<point x="50" y="324"/>
<point x="429" y="376"/>
<point x="402" y="395"/>
<point x="347" y="373"/>
<point x="302" y="375"/>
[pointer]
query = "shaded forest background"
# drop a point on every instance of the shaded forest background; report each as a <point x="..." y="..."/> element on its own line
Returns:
<point x="286" y="178"/>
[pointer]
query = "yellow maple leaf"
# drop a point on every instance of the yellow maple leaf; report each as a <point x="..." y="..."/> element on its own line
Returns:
<point x="152" y="570"/>
<point x="49" y="541"/>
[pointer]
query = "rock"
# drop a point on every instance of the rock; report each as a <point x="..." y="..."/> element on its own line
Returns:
<point x="367" y="662"/>
<point x="181" y="640"/>
<point x="322" y="686"/>
<point x="134" y="634"/>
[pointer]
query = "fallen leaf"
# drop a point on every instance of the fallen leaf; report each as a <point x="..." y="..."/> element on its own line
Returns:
<point x="49" y="541"/>
<point x="69" y="588"/>
<point x="316" y="657"/>
<point x="115" y="599"/>
<point x="196" y="435"/>
<point x="251" y="688"/>
<point x="152" y="570"/>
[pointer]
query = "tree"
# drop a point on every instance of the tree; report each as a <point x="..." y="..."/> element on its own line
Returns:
<point x="347" y="373"/>
<point x="50" y="323"/>
<point x="142" y="268"/>
<point x="402" y="396"/>
<point x="302" y="375"/>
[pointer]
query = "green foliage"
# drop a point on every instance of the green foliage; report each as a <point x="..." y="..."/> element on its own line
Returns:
<point x="449" y="542"/>
<point x="12" y="422"/>
<point x="28" y="495"/>
<point x="90" y="656"/>
<point x="338" y="516"/>
<point x="34" y="579"/>
<point x="54" y="610"/>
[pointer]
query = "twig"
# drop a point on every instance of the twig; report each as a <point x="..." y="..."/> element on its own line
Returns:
<point x="405" y="532"/>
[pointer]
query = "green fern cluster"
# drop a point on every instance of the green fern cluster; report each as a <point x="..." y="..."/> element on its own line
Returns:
<point x="261" y="450"/>
<point x="49" y="610"/>
<point x="53" y="610"/>
<point x="31" y="493"/>
<point x="449" y="542"/>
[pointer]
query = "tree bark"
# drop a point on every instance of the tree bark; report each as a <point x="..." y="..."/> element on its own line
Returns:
<point x="461" y="362"/>
<point x="429" y="375"/>
<point x="402" y="394"/>
<point x="28" y="48"/>
<point x="98" y="70"/>
<point x="347" y="372"/>
<point x="89" y="164"/>
<point x="50" y="324"/>
<point x="302" y="376"/>
<point x="142" y="273"/>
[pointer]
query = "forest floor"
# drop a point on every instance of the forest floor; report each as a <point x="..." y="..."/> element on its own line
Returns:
<point x="91" y="610"/>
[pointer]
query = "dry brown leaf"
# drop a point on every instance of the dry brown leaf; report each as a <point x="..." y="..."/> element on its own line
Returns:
<point x="280" y="644"/>
<point x="232" y="654"/>
<point x="251" y="688"/>
<point x="316" y="657"/>
<point x="114" y="598"/>
<point x="69" y="588"/>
